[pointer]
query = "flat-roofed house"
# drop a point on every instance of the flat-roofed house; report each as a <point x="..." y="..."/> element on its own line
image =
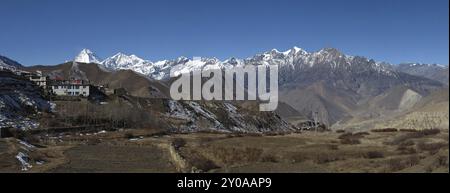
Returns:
<point x="71" y="88"/>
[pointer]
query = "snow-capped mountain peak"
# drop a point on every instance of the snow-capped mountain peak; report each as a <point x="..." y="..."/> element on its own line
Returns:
<point x="121" y="61"/>
<point x="87" y="56"/>
<point x="290" y="61"/>
<point x="295" y="51"/>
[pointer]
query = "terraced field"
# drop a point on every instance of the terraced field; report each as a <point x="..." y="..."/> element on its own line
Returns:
<point x="140" y="151"/>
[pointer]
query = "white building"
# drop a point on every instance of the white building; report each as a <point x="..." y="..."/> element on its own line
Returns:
<point x="39" y="80"/>
<point x="71" y="88"/>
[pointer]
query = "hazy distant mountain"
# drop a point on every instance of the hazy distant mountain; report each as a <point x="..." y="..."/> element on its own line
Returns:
<point x="431" y="71"/>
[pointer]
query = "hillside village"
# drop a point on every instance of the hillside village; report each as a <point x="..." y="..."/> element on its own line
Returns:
<point x="61" y="87"/>
<point x="101" y="104"/>
<point x="31" y="93"/>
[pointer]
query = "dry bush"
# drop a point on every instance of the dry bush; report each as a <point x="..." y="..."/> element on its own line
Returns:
<point x="333" y="147"/>
<point x="317" y="157"/>
<point x="426" y="132"/>
<point x="129" y="135"/>
<point x="407" y="143"/>
<point x="197" y="160"/>
<point x="323" y="158"/>
<point x="423" y="133"/>
<point x="269" y="158"/>
<point x="412" y="160"/>
<point x="258" y="134"/>
<point x="350" y="141"/>
<point x="358" y="135"/>
<point x="384" y="130"/>
<point x="205" y="140"/>
<point x="233" y="155"/>
<point x="397" y="164"/>
<point x="406" y="147"/>
<point x="406" y="150"/>
<point x="408" y="130"/>
<point x="373" y="155"/>
<point x="299" y="157"/>
<point x="93" y="141"/>
<point x="442" y="161"/>
<point x="361" y="134"/>
<point x="345" y="135"/>
<point x="178" y="143"/>
<point x="433" y="148"/>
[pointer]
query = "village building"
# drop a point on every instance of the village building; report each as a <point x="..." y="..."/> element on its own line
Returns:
<point x="71" y="88"/>
<point x="38" y="79"/>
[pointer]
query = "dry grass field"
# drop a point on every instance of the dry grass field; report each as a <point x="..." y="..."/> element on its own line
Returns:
<point x="142" y="151"/>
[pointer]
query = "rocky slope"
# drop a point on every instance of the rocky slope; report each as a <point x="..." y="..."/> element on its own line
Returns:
<point x="20" y="102"/>
<point x="150" y="98"/>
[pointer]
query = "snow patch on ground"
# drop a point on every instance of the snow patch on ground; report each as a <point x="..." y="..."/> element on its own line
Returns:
<point x="205" y="113"/>
<point x="24" y="159"/>
<point x="178" y="111"/>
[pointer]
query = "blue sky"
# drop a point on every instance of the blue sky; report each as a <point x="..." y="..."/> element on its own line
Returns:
<point x="52" y="31"/>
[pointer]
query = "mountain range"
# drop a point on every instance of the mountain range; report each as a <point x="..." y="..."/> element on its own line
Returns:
<point x="295" y="58"/>
<point x="339" y="87"/>
<point x="431" y="71"/>
<point x="345" y="91"/>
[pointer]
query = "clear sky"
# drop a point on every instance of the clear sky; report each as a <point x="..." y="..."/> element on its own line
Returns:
<point x="53" y="31"/>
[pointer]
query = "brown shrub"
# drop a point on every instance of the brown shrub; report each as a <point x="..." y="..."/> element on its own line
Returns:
<point x="384" y="130"/>
<point x="350" y="141"/>
<point x="323" y="158"/>
<point x="93" y="141"/>
<point x="406" y="150"/>
<point x="358" y="135"/>
<point x="198" y="161"/>
<point x="426" y="132"/>
<point x="413" y="135"/>
<point x="129" y="135"/>
<point x="407" y="143"/>
<point x="178" y="143"/>
<point x="408" y="130"/>
<point x="374" y="155"/>
<point x="234" y="155"/>
<point x="269" y="158"/>
<point x="362" y="133"/>
<point x="442" y="161"/>
<point x="299" y="157"/>
<point x="333" y="147"/>
<point x="412" y="160"/>
<point x="397" y="164"/>
<point x="345" y="136"/>
<point x="431" y="147"/>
